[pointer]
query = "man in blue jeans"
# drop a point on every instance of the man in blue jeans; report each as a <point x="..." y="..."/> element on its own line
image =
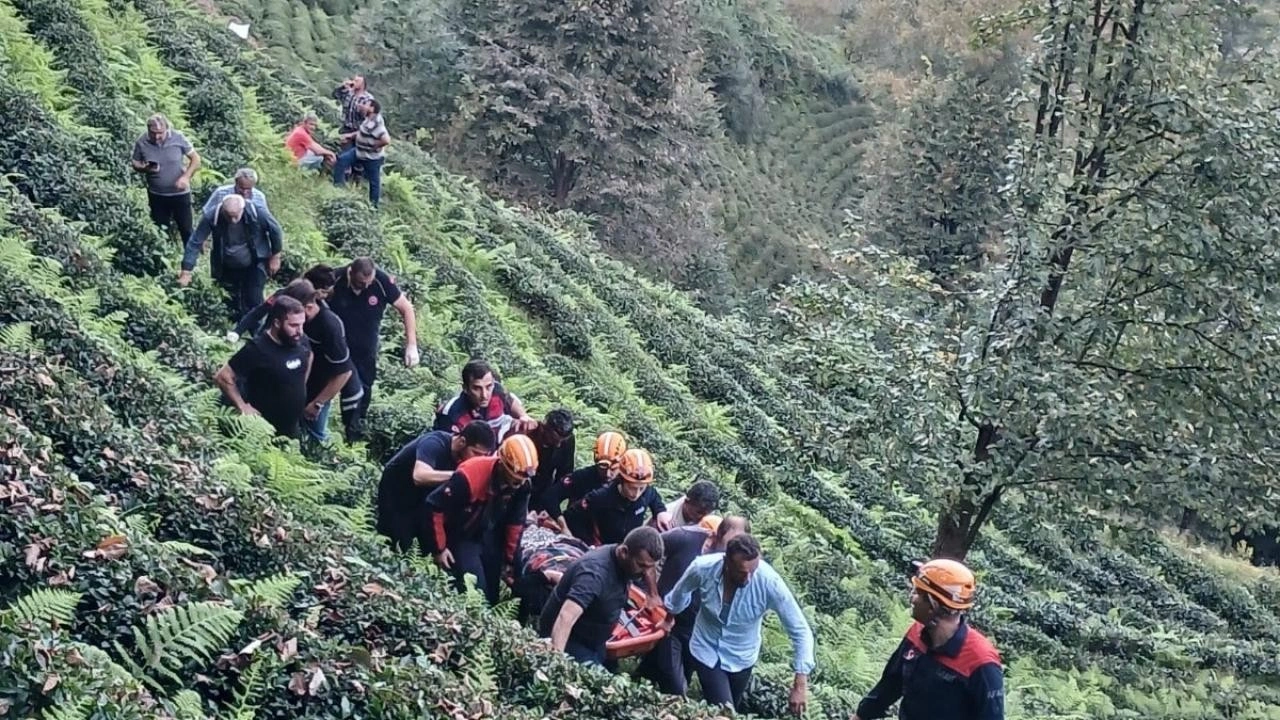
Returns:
<point x="735" y="590"/>
<point x="371" y="139"/>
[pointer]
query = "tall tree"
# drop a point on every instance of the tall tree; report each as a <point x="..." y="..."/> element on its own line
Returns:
<point x="1122" y="350"/>
<point x="585" y="105"/>
<point x="1127" y="351"/>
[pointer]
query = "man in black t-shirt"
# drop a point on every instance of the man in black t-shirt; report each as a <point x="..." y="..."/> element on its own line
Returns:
<point x="273" y="369"/>
<point x="361" y="294"/>
<point x="582" y="610"/>
<point x="414" y="471"/>
<point x="669" y="664"/>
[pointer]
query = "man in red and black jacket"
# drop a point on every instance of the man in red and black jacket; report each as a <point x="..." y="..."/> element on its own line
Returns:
<point x="477" y="516"/>
<point x="943" y="669"/>
<point x="483" y="398"/>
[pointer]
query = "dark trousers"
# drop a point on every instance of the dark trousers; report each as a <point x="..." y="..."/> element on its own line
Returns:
<point x="532" y="590"/>
<point x="172" y="209"/>
<point x="482" y="559"/>
<point x="669" y="665"/>
<point x="720" y="687"/>
<point x="371" y="169"/>
<point x="404" y="525"/>
<point x="356" y="405"/>
<point x="245" y="286"/>
<point x="586" y="655"/>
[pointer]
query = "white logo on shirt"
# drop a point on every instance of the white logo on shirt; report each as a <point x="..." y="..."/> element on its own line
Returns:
<point x="293" y="364"/>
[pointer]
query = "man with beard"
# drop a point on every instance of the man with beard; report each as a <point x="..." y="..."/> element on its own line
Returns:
<point x="735" y="590"/>
<point x="272" y="369"/>
<point x="669" y="665"/>
<point x="582" y="610"/>
<point x="944" y="669"/>
<point x="483" y="399"/>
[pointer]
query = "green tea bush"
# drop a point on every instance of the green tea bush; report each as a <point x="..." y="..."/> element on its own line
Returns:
<point x="59" y="25"/>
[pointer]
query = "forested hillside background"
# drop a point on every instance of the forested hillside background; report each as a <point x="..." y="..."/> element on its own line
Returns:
<point x="985" y="278"/>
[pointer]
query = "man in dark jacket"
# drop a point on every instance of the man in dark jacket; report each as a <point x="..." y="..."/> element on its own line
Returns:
<point x="245" y="252"/>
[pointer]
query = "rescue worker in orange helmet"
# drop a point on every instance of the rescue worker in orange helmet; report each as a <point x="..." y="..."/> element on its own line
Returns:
<point x="607" y="514"/>
<point x="476" y="517"/>
<point x="609" y="448"/>
<point x="944" y="669"/>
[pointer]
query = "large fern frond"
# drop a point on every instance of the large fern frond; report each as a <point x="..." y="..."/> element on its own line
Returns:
<point x="178" y="634"/>
<point x="188" y="705"/>
<point x="253" y="683"/>
<point x="45" y="606"/>
<point x="16" y="337"/>
<point x="274" y="591"/>
<point x="79" y="711"/>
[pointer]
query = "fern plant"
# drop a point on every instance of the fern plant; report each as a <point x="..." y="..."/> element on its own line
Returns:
<point x="177" y="635"/>
<point x="43" y="606"/>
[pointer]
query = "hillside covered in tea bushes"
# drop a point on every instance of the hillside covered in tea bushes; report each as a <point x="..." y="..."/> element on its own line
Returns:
<point x="163" y="557"/>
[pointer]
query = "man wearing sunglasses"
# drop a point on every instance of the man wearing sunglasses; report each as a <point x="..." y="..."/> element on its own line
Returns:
<point x="477" y="516"/>
<point x="943" y="669"/>
<point x="609" y="449"/>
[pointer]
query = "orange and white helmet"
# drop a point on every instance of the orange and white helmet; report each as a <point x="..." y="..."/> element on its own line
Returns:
<point x="519" y="455"/>
<point x="636" y="466"/>
<point x="610" y="446"/>
<point x="947" y="581"/>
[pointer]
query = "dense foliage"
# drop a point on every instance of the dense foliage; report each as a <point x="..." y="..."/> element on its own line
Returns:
<point x="165" y="558"/>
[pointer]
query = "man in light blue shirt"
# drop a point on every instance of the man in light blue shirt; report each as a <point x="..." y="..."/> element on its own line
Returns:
<point x="736" y="589"/>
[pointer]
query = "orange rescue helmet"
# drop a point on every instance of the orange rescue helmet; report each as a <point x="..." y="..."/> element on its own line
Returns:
<point x="636" y="466"/>
<point x="610" y="446"/>
<point x="519" y="456"/>
<point x="710" y="523"/>
<point x="947" y="581"/>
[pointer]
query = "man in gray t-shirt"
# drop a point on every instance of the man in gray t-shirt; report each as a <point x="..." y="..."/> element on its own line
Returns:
<point x="369" y="151"/>
<point x="159" y="153"/>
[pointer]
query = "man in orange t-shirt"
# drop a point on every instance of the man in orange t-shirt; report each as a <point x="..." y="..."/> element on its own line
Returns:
<point x="308" y="153"/>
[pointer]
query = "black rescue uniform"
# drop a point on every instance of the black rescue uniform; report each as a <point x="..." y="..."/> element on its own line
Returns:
<point x="272" y="377"/>
<point x="572" y="488"/>
<point x="361" y="314"/>
<point x="328" y="338"/>
<point x="554" y="465"/>
<point x="960" y="680"/>
<point x="402" y="509"/>
<point x="604" y="516"/>
<point x="598" y="584"/>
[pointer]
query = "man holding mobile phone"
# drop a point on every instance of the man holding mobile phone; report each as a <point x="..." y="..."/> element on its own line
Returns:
<point x="159" y="153"/>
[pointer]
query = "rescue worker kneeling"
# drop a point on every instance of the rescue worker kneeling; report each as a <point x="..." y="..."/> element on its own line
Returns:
<point x="476" y="517"/>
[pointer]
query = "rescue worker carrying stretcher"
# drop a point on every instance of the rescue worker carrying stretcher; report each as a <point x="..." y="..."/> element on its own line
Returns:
<point x="607" y="514"/>
<point x="476" y="517"/>
<point x="609" y="449"/>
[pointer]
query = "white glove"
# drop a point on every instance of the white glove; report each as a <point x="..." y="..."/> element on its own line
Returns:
<point x="411" y="356"/>
<point x="232" y="336"/>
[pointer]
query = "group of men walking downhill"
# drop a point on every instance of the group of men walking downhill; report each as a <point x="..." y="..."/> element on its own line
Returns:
<point x="484" y="492"/>
<point x="491" y="492"/>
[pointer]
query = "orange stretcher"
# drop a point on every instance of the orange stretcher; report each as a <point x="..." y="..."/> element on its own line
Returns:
<point x="637" y="631"/>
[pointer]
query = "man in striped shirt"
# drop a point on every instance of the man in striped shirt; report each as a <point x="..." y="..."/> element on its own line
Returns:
<point x="371" y="139"/>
